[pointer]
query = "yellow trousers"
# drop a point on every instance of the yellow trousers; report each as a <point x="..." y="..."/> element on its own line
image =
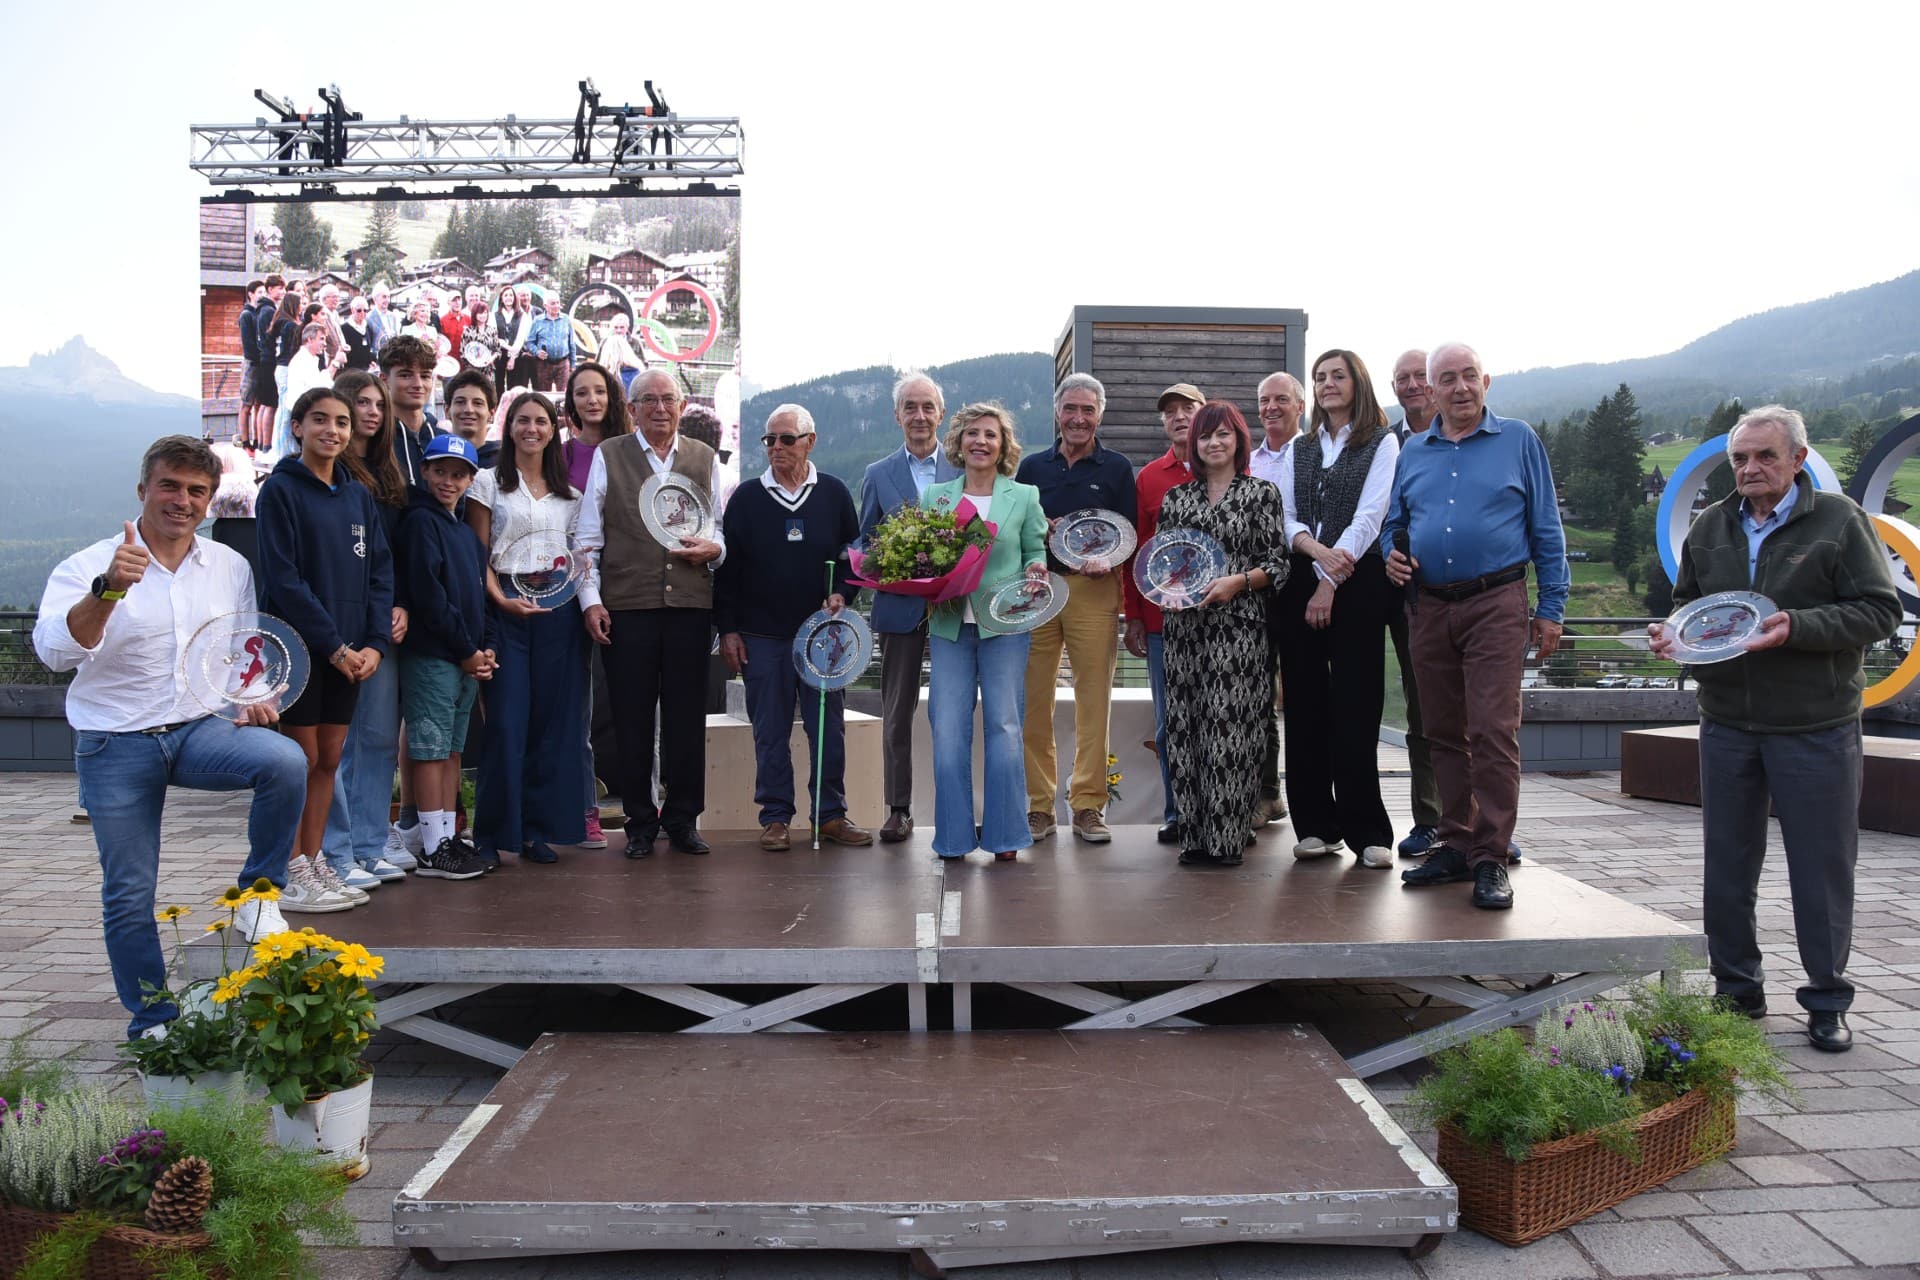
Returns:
<point x="1088" y="629"/>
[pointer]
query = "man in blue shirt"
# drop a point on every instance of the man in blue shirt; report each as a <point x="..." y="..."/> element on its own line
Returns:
<point x="1473" y="504"/>
<point x="896" y="481"/>
<point x="1076" y="473"/>
<point x="550" y="343"/>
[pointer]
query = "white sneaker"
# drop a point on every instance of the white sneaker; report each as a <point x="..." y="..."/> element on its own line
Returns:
<point x="330" y="880"/>
<point x="1315" y="847"/>
<point x="255" y="920"/>
<point x="396" y="853"/>
<point x="1377" y="856"/>
<point x="360" y="878"/>
<point x="413" y="840"/>
<point x="384" y="870"/>
<point x="305" y="893"/>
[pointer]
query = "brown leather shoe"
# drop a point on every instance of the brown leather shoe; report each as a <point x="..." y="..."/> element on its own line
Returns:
<point x="773" y="838"/>
<point x="1091" y="827"/>
<point x="897" y="827"/>
<point x="842" y="831"/>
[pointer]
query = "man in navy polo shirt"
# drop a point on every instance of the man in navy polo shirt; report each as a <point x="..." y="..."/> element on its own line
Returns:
<point x="1076" y="473"/>
<point x="1473" y="499"/>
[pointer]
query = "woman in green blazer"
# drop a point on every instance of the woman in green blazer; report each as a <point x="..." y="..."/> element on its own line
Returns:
<point x="969" y="658"/>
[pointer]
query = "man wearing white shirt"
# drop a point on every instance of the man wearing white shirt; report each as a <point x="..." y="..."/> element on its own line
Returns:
<point x="653" y="608"/>
<point x="1283" y="405"/>
<point x="1335" y="484"/>
<point x="119" y="614"/>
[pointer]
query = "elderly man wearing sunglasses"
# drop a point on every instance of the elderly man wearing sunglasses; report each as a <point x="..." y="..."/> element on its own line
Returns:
<point x="789" y="535"/>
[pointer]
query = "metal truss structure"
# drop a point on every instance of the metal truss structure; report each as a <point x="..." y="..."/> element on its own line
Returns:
<point x="648" y="147"/>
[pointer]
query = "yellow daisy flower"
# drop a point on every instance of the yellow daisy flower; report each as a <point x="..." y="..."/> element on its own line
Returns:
<point x="357" y="962"/>
<point x="229" y="986"/>
<point x="215" y="927"/>
<point x="167" y="915"/>
<point x="232" y="898"/>
<point x="263" y="891"/>
<point x="274" y="948"/>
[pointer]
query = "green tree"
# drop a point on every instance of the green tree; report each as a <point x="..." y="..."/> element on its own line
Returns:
<point x="1606" y="475"/>
<point x="380" y="246"/>
<point x="1659" y="587"/>
<point x="606" y="224"/>
<point x="731" y="281"/>
<point x="1859" y="441"/>
<point x="1632" y="534"/>
<point x="1719" y="422"/>
<point x="306" y="239"/>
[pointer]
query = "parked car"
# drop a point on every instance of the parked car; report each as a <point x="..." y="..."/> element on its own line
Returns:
<point x="1579" y="557"/>
<point x="1637" y="682"/>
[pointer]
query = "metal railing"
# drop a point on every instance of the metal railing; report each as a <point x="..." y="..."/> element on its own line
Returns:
<point x="19" y="665"/>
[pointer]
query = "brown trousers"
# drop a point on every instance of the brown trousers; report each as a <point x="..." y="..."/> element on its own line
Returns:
<point x="1467" y="659"/>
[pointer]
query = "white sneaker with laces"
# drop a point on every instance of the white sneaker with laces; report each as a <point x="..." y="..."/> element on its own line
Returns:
<point x="305" y="893"/>
<point x="1315" y="847"/>
<point x="360" y="878"/>
<point x="255" y="920"/>
<point x="396" y="850"/>
<point x="1377" y="856"/>
<point x="412" y="840"/>
<point x="385" y="870"/>
<point x="330" y="880"/>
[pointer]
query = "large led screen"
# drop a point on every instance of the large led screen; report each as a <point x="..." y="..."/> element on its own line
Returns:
<point x="641" y="282"/>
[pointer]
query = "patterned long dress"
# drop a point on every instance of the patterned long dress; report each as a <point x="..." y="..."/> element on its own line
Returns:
<point x="1218" y="689"/>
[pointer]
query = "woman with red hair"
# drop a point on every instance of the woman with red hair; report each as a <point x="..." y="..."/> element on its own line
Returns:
<point x="1218" y="687"/>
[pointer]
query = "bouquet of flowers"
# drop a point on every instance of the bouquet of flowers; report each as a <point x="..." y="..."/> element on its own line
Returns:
<point x="937" y="553"/>
<point x="306" y="999"/>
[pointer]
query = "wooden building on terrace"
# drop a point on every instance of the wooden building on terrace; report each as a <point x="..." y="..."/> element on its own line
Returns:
<point x="1138" y="352"/>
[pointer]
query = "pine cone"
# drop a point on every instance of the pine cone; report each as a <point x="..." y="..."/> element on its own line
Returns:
<point x="181" y="1196"/>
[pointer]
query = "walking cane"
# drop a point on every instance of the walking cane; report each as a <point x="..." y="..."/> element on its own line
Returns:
<point x="820" y="740"/>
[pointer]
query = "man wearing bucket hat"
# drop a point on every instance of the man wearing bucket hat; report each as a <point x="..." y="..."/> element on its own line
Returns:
<point x="1177" y="404"/>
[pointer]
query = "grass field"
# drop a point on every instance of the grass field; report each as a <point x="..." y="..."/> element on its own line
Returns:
<point x="1669" y="456"/>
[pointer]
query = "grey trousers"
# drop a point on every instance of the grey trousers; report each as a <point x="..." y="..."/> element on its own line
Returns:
<point x="1814" y="782"/>
<point x="1426" y="792"/>
<point x="900" y="657"/>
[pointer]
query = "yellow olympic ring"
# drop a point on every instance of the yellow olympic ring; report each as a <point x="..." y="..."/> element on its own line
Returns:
<point x="1904" y="539"/>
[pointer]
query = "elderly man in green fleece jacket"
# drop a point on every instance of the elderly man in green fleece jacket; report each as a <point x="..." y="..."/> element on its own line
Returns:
<point x="1783" y="719"/>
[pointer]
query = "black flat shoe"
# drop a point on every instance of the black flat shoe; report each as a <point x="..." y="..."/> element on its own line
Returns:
<point x="687" y="840"/>
<point x="1827" y="1031"/>
<point x="1444" y="865"/>
<point x="539" y="851"/>
<point x="1169" y="833"/>
<point x="1513" y="852"/>
<point x="1192" y="858"/>
<point x="1492" y="891"/>
<point x="640" y="838"/>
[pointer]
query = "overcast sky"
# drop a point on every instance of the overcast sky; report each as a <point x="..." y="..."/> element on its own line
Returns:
<point x="1554" y="183"/>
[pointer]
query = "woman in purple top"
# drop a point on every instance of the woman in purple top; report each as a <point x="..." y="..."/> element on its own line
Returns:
<point x="596" y="409"/>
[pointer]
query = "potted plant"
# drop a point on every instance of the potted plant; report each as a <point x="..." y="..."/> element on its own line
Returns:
<point x="201" y="1051"/>
<point x="305" y="1003"/>
<point x="1606" y="1101"/>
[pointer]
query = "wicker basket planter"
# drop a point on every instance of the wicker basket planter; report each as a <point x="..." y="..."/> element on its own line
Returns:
<point x="122" y="1253"/>
<point x="1562" y="1182"/>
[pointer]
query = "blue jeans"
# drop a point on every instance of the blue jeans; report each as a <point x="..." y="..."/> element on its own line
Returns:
<point x="995" y="667"/>
<point x="363" y="786"/>
<point x="772" y="688"/>
<point x="123" y="787"/>
<point x="1157" y="675"/>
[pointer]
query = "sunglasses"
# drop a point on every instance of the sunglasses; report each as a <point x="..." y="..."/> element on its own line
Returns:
<point x="786" y="439"/>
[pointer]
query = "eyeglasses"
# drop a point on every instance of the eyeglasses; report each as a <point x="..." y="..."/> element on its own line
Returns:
<point x="786" y="439"/>
<point x="655" y="402"/>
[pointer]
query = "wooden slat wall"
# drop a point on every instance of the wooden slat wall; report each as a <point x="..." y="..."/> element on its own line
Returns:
<point x="223" y="237"/>
<point x="1137" y="361"/>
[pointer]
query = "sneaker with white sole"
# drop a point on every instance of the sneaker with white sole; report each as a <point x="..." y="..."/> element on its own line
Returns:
<point x="596" y="835"/>
<point x="258" y="918"/>
<point x="453" y="860"/>
<point x="1315" y="847"/>
<point x="330" y="879"/>
<point x="1377" y="856"/>
<point x="395" y="850"/>
<point x="305" y="894"/>
<point x="413" y="839"/>
<point x="358" y="877"/>
<point x="383" y="870"/>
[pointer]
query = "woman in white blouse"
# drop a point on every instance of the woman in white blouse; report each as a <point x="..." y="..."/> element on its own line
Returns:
<point x="531" y="778"/>
<point x="1331" y="618"/>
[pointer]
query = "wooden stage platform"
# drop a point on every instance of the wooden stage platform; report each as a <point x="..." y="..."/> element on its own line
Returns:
<point x="1064" y="922"/>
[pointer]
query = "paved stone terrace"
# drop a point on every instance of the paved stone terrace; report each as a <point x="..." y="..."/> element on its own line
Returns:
<point x="1827" y="1191"/>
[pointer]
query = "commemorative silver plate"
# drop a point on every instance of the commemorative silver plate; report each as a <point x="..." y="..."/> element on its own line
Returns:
<point x="673" y="508"/>
<point x="1177" y="566"/>
<point x="1021" y="604"/>
<point x="1092" y="534"/>
<point x="832" y="649"/>
<point x="544" y="567"/>
<point x="1717" y="627"/>
<point x="245" y="659"/>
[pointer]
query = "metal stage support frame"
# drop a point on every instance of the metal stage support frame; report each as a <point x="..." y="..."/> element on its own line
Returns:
<point x="1062" y="923"/>
<point x="643" y="147"/>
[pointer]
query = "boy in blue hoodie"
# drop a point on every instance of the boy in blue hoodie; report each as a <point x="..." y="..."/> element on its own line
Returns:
<point x="445" y="652"/>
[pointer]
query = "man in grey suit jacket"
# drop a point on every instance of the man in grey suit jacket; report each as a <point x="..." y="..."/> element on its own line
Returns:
<point x="895" y="481"/>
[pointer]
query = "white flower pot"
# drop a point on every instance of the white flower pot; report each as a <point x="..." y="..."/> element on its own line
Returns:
<point x="179" y="1091"/>
<point x="334" y="1125"/>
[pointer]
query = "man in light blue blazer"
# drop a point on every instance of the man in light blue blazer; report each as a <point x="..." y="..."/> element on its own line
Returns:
<point x="898" y="480"/>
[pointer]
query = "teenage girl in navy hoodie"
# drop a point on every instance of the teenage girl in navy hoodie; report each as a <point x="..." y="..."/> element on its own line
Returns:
<point x="325" y="567"/>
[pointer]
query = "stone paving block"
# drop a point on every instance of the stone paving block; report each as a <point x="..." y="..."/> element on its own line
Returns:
<point x="1719" y="1175"/>
<point x="1468" y="1255"/>
<point x="1793" y="1170"/>
<point x="1659" y="1204"/>
<point x="1877" y="1237"/>
<point x="1879" y="1165"/>
<point x="1841" y="1130"/>
<point x="1902" y="1194"/>
<point x="1647" y="1249"/>
<point x="1869" y="1273"/>
<point x="1784" y="1199"/>
<point x="410" y="1137"/>
<point x="1768" y="1242"/>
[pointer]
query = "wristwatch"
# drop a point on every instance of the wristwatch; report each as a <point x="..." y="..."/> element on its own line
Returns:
<point x="101" y="591"/>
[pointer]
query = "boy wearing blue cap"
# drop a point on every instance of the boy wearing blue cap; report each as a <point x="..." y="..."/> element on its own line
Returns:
<point x="445" y="652"/>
